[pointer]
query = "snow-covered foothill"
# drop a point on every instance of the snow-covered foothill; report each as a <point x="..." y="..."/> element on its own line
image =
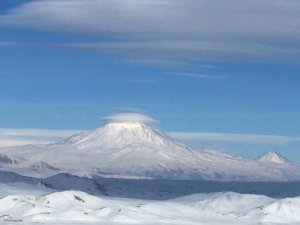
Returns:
<point x="219" y="208"/>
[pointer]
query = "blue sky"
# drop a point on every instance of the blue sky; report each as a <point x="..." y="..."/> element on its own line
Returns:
<point x="195" y="66"/>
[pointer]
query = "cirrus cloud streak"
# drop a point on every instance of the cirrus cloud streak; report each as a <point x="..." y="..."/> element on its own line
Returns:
<point x="171" y="30"/>
<point x="19" y="137"/>
<point x="237" y="138"/>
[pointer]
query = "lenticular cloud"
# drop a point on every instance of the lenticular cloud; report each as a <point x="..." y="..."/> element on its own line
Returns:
<point x="130" y="118"/>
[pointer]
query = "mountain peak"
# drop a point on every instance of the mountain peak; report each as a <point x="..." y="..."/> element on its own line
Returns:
<point x="118" y="135"/>
<point x="125" y="125"/>
<point x="273" y="157"/>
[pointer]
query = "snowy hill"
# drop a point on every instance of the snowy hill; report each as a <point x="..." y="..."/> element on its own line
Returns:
<point x="72" y="207"/>
<point x="129" y="149"/>
<point x="273" y="157"/>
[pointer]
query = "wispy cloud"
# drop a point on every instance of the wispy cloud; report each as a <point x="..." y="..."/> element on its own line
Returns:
<point x="36" y="132"/>
<point x="229" y="137"/>
<point x="172" y="30"/>
<point x="189" y="50"/>
<point x="199" y="76"/>
<point x="159" y="62"/>
<point x="10" y="44"/>
<point x="207" y="66"/>
<point x="17" y="137"/>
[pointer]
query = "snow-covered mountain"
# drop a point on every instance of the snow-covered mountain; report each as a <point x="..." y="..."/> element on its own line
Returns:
<point x="120" y="135"/>
<point x="136" y="150"/>
<point x="273" y="157"/>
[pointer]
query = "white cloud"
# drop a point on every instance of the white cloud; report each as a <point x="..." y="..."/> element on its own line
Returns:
<point x="130" y="118"/>
<point x="17" y="137"/>
<point x="234" y="138"/>
<point x="199" y="76"/>
<point x="9" y="44"/>
<point x="35" y="132"/>
<point x="172" y="30"/>
<point x="13" y="142"/>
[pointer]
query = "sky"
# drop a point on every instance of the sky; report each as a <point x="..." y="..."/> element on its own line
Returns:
<point x="219" y="74"/>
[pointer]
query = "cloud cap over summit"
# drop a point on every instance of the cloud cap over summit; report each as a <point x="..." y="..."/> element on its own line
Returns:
<point x="130" y="118"/>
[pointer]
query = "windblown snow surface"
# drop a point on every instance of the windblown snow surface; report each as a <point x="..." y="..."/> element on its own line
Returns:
<point x="73" y="207"/>
<point x="130" y="173"/>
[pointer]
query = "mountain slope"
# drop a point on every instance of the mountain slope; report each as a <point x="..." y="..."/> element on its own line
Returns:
<point x="136" y="150"/>
<point x="6" y="160"/>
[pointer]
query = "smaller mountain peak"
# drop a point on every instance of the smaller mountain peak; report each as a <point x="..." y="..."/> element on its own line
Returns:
<point x="273" y="157"/>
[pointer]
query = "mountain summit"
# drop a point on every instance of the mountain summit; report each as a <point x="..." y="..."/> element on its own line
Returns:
<point x="273" y="157"/>
<point x="121" y="135"/>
